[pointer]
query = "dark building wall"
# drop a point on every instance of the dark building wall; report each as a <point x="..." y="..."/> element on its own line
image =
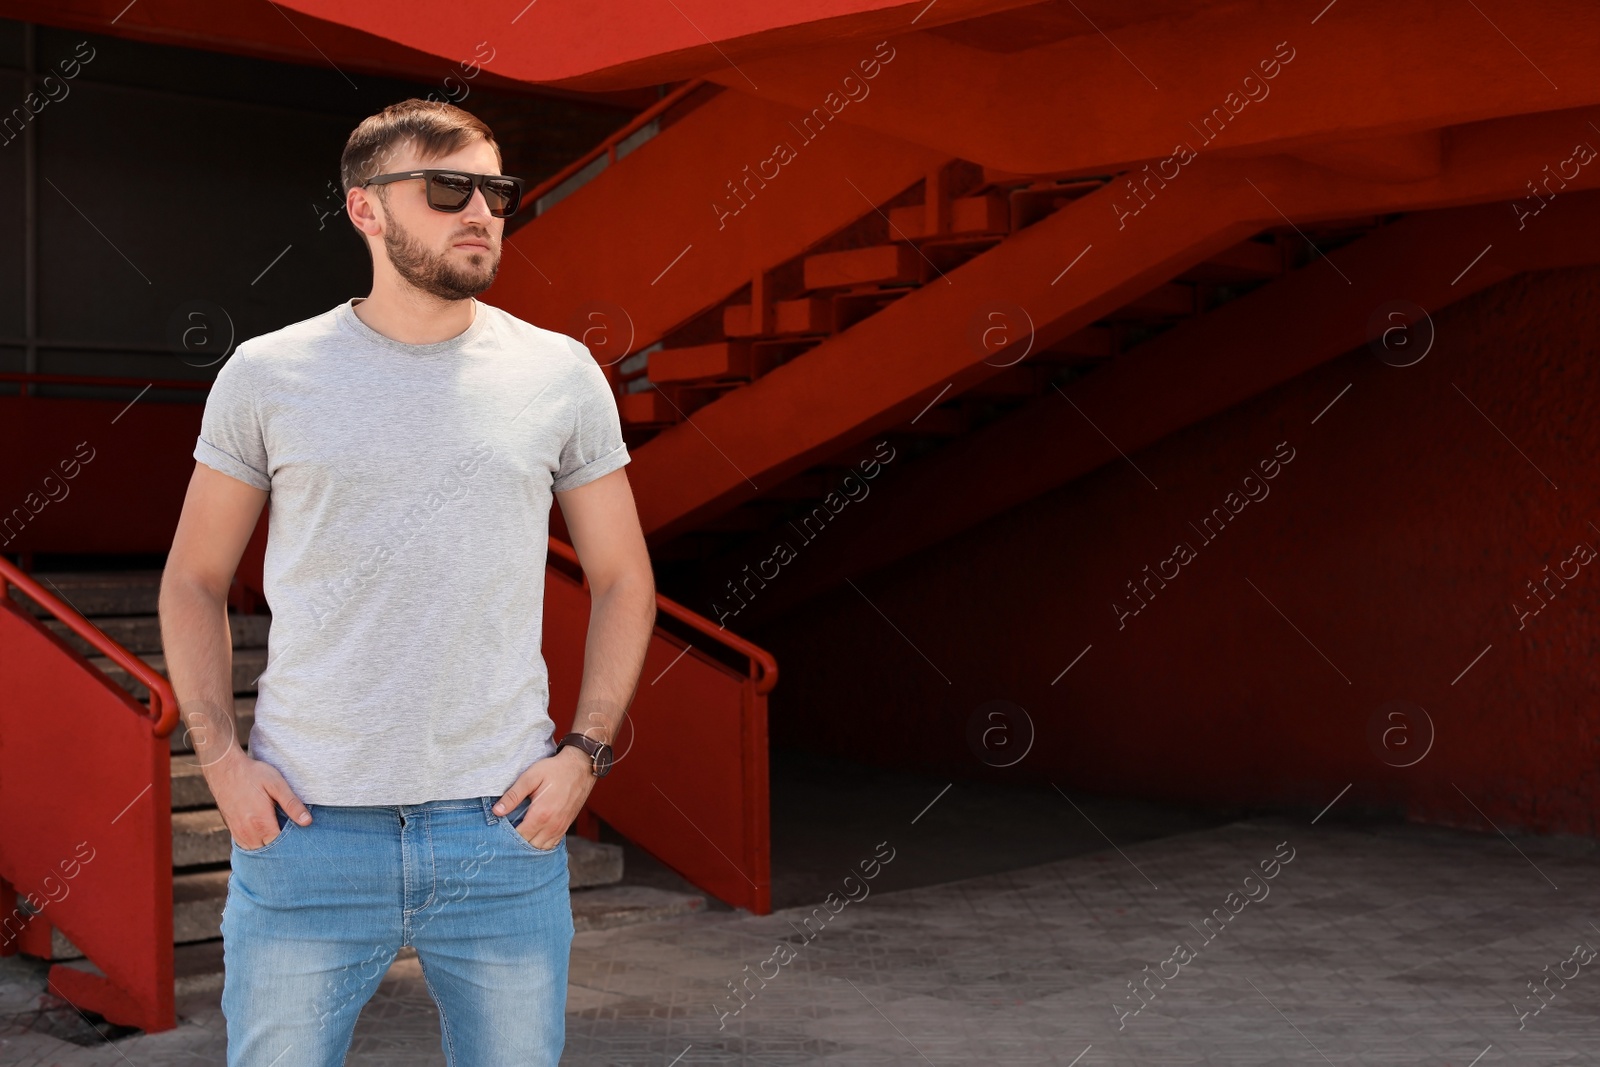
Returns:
<point x="170" y="181"/>
<point x="1387" y="554"/>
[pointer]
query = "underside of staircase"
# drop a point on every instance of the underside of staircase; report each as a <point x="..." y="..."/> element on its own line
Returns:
<point x="972" y="317"/>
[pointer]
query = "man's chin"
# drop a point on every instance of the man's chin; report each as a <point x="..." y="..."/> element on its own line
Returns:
<point x="476" y="287"/>
<point x="478" y="265"/>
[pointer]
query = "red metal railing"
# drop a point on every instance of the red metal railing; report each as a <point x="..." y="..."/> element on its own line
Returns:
<point x="608" y="147"/>
<point x="763" y="667"/>
<point x="163" y="705"/>
<point x="86" y="807"/>
<point x="691" y="779"/>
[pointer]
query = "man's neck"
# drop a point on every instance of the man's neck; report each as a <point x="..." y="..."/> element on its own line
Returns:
<point x="416" y="322"/>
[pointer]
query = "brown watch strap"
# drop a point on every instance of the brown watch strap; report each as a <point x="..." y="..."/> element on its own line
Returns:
<point x="590" y="746"/>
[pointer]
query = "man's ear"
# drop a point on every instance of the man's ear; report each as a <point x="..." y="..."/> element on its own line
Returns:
<point x="364" y="203"/>
<point x="361" y="202"/>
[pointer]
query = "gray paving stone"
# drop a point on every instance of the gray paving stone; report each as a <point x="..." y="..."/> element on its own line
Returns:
<point x="1404" y="945"/>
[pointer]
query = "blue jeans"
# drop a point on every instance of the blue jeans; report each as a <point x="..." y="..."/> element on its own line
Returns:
<point x="315" y="916"/>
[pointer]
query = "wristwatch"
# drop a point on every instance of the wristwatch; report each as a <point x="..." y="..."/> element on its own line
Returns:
<point x="599" y="752"/>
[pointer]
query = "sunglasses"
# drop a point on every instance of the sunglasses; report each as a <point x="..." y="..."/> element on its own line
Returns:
<point x="450" y="190"/>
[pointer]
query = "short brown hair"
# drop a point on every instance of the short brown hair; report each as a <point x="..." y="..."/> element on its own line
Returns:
<point x="433" y="127"/>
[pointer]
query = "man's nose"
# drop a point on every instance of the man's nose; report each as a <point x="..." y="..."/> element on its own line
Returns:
<point x="477" y="210"/>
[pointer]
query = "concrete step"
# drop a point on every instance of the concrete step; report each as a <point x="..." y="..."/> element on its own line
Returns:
<point x="623" y="905"/>
<point x="592" y="863"/>
<point x="248" y="663"/>
<point x="141" y="634"/>
<point x="102" y="592"/>
<point x="197" y="968"/>
<point x="200" y="837"/>
<point x="197" y="900"/>
<point x="189" y="789"/>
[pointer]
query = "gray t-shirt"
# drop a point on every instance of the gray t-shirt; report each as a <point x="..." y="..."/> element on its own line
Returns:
<point x="409" y="521"/>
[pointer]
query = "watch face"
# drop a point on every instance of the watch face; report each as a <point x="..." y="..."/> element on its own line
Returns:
<point x="602" y="761"/>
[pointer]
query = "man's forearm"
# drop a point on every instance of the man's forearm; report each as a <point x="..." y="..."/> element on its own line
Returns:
<point x="621" y="620"/>
<point x="198" y="647"/>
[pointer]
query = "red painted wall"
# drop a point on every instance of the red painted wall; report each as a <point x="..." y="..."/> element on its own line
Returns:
<point x="1396" y="541"/>
<point x="127" y="494"/>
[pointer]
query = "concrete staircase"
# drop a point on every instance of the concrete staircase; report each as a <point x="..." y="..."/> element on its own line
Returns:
<point x="123" y="605"/>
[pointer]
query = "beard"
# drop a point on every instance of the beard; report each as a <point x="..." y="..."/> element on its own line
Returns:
<point x="433" y="272"/>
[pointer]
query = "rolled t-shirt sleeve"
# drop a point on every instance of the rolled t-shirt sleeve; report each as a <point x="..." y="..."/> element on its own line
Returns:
<point x="594" y="446"/>
<point x="231" y="438"/>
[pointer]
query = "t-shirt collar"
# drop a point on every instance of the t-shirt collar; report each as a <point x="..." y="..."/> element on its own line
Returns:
<point x="351" y="322"/>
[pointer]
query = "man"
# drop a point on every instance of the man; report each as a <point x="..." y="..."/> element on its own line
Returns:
<point x="403" y="785"/>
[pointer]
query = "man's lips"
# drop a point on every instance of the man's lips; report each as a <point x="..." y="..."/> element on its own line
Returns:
<point x="472" y="244"/>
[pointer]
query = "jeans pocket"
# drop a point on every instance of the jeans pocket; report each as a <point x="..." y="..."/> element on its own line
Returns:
<point x="284" y="825"/>
<point x="513" y="819"/>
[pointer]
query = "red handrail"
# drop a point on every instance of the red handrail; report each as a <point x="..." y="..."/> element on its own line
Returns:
<point x="763" y="666"/>
<point x="163" y="704"/>
<point x="608" y="147"/>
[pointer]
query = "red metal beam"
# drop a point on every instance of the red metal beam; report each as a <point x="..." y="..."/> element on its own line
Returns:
<point x="627" y="43"/>
<point x="685" y="220"/>
<point x="308" y="39"/>
<point x="1082" y="105"/>
<point x="616" y="49"/>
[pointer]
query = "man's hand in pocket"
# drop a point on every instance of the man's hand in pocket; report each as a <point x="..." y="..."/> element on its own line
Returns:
<point x="246" y="790"/>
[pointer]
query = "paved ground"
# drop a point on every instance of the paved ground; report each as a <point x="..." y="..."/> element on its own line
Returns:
<point x="1389" y="944"/>
<point x="828" y="813"/>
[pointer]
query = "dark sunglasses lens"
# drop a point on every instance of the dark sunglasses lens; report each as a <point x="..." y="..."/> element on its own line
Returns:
<point x="449" y="192"/>
<point x="501" y="196"/>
